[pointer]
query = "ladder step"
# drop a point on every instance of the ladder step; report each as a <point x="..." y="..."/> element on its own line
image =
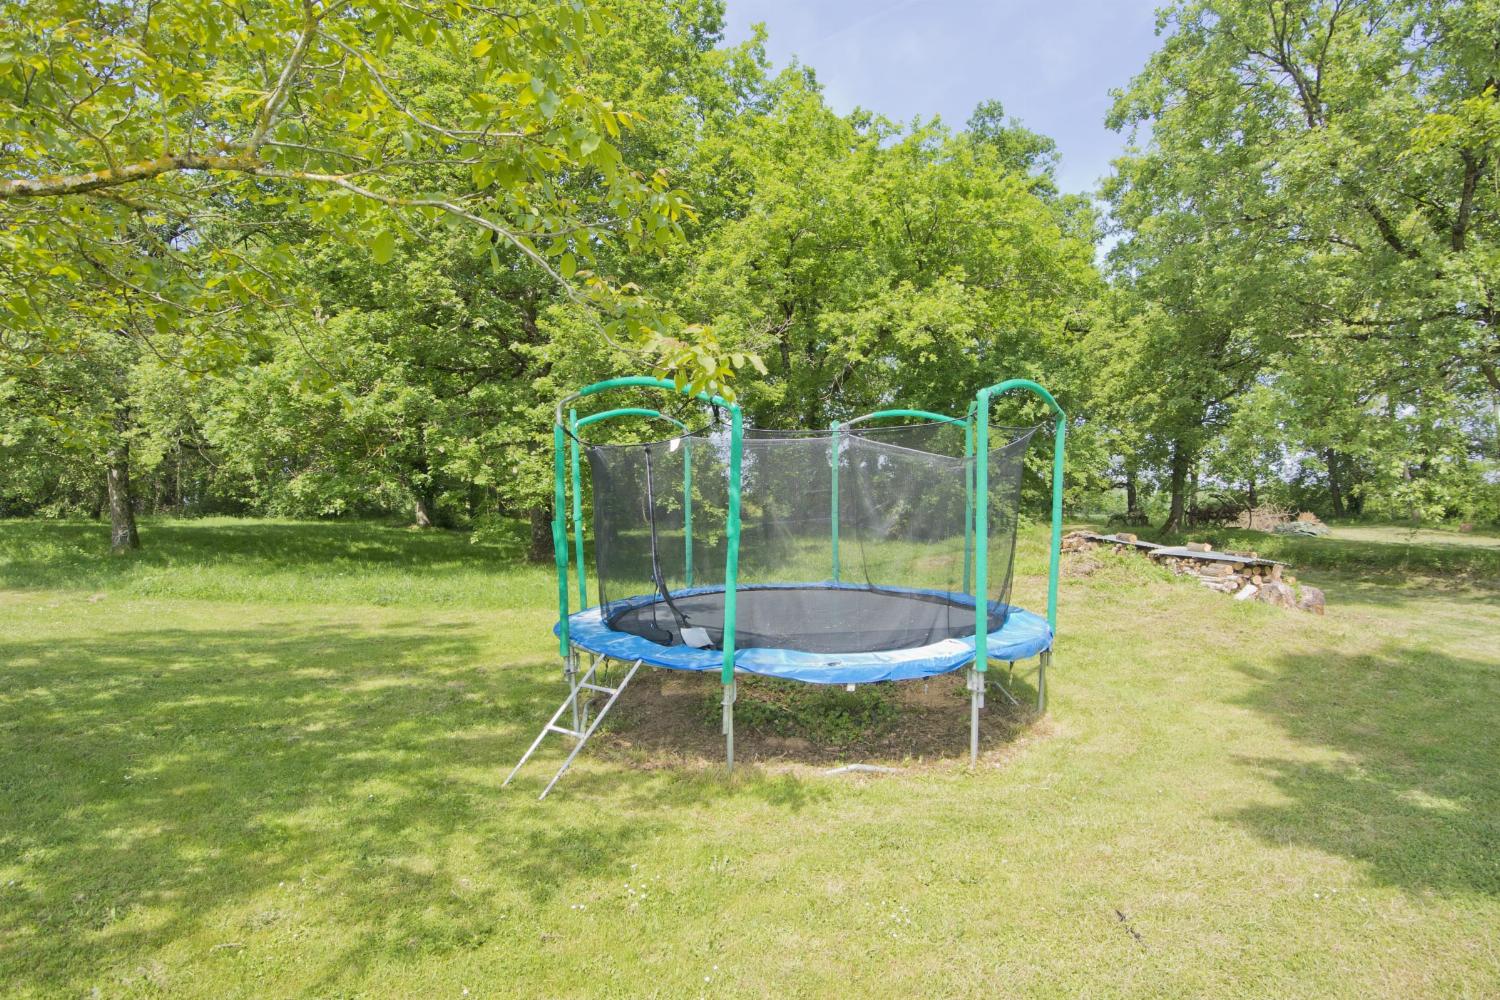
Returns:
<point x="580" y="737"/>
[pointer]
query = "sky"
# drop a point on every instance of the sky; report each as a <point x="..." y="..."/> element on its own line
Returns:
<point x="1052" y="64"/>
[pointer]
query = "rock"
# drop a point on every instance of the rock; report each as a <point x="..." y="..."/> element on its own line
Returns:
<point x="1311" y="600"/>
<point x="1277" y="593"/>
<point x="1246" y="592"/>
<point x="1198" y="547"/>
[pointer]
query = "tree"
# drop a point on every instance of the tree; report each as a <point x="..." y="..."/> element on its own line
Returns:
<point x="427" y="385"/>
<point x="161" y="160"/>
<point x="867" y="263"/>
<point x="1336" y="160"/>
<point x="1021" y="150"/>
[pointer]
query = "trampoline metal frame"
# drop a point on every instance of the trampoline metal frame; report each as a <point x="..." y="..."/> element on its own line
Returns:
<point x="976" y="424"/>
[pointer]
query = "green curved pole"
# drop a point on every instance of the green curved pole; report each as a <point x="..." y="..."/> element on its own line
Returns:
<point x="583" y="584"/>
<point x="559" y="494"/>
<point x="981" y="507"/>
<point x="642" y="382"/>
<point x="629" y="411"/>
<point x="919" y="414"/>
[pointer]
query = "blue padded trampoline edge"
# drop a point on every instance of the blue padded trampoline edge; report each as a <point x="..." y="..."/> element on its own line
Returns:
<point x="1024" y="635"/>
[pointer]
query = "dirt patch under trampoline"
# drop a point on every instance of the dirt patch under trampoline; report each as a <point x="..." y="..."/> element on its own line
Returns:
<point x="671" y="718"/>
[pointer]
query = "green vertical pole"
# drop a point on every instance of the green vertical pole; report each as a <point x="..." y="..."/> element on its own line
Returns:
<point x="687" y="507"/>
<point x="969" y="505"/>
<point x="559" y="536"/>
<point x="731" y="580"/>
<point x="1060" y="425"/>
<point x="834" y="462"/>
<point x="982" y="533"/>
<point x="583" y="586"/>
<point x="732" y="529"/>
<point x="1057" y="504"/>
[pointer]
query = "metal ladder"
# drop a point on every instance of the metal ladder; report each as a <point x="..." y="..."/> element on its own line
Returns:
<point x="585" y="683"/>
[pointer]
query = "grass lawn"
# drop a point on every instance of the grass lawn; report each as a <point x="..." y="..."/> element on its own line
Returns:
<point x="264" y="759"/>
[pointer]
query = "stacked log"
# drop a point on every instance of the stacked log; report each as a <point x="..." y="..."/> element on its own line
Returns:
<point x="1245" y="576"/>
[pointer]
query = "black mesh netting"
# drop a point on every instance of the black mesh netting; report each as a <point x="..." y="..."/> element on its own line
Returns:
<point x="872" y="570"/>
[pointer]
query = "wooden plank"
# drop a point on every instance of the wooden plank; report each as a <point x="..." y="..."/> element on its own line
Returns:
<point x="1232" y="557"/>
<point x="1112" y="540"/>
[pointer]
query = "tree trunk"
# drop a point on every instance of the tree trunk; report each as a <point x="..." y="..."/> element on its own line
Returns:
<point x="1250" y="497"/>
<point x="423" y="511"/>
<point x="1192" y="497"/>
<point x="1131" y="500"/>
<point x="1179" y="487"/>
<point x="539" y="548"/>
<point x="123" y="536"/>
<point x="1335" y="487"/>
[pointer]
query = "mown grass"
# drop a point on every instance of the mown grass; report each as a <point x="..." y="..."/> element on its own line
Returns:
<point x="312" y="562"/>
<point x="265" y="760"/>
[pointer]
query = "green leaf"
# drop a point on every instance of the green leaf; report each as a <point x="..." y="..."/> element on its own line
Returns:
<point x="383" y="247"/>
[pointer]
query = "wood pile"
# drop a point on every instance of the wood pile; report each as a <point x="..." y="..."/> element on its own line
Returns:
<point x="1267" y="517"/>
<point x="1244" y="575"/>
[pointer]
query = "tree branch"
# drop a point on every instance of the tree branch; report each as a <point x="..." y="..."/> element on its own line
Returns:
<point x="94" y="180"/>
<point x="283" y="86"/>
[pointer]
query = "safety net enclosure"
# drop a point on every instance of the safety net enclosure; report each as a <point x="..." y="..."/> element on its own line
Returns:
<point x="875" y="549"/>
<point x="849" y="543"/>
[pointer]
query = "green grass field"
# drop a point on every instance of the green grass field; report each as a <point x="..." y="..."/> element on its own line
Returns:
<point x="264" y="759"/>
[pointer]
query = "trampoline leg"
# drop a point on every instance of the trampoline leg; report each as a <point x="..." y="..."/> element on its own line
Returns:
<point x="570" y="672"/>
<point x="976" y="702"/>
<point x="1041" y="681"/>
<point x="730" y="691"/>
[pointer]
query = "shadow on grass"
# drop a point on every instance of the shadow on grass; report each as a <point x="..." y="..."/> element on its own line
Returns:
<point x="1385" y="592"/>
<point x="1407" y="784"/>
<point x="35" y="553"/>
<point x="158" y="783"/>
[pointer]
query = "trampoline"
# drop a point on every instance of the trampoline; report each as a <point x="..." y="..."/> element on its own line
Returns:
<point x="821" y="633"/>
<point x="855" y="554"/>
